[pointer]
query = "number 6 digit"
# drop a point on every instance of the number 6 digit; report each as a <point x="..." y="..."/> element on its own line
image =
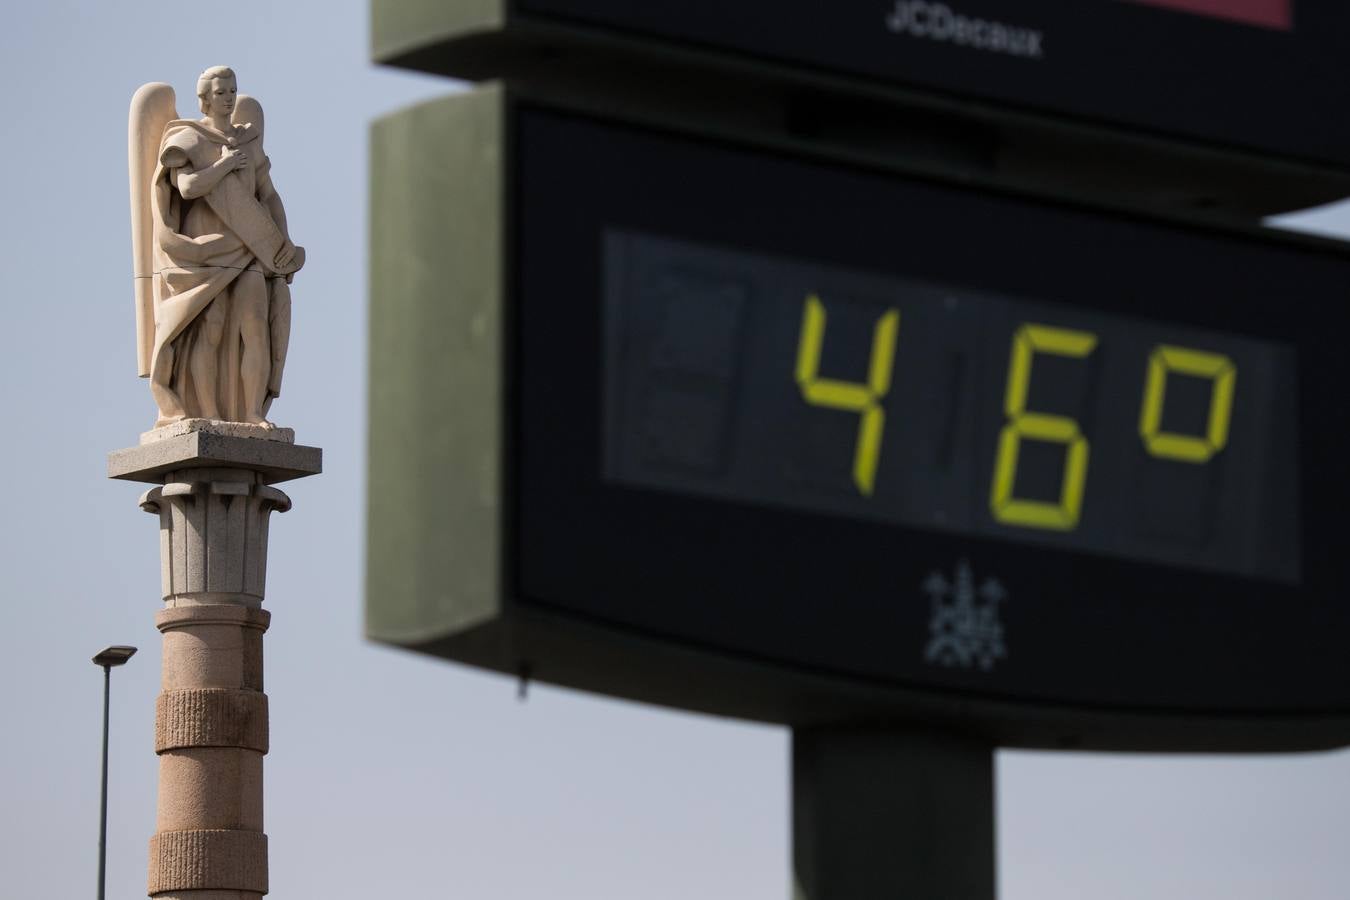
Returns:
<point x="1035" y="426"/>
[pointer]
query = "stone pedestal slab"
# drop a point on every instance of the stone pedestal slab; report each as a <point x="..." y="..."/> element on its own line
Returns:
<point x="213" y="495"/>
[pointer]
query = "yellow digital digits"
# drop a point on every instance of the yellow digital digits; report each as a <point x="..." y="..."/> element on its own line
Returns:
<point x="1187" y="448"/>
<point x="1027" y="425"/>
<point x="1023" y="424"/>
<point x="864" y="399"/>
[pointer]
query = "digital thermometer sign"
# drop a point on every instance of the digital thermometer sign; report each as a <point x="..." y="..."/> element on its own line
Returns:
<point x="714" y="425"/>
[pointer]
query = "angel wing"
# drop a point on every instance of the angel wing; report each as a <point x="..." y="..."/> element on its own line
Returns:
<point x="152" y="107"/>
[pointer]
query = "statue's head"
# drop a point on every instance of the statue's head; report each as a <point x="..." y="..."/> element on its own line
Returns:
<point x="216" y="88"/>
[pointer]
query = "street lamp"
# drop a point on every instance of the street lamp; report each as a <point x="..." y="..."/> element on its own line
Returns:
<point x="112" y="656"/>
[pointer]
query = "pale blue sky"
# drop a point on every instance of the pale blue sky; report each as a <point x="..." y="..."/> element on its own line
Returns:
<point x="391" y="774"/>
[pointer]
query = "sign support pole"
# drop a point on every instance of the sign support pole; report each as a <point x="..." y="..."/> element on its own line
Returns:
<point x="893" y="813"/>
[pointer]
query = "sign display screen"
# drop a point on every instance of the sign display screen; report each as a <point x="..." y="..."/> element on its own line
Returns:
<point x="764" y="379"/>
<point x="899" y="433"/>
<point x="1267" y="13"/>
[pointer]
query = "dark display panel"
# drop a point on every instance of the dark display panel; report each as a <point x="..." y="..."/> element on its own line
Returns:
<point x="879" y="599"/>
<point x="763" y="379"/>
<point x="1254" y="74"/>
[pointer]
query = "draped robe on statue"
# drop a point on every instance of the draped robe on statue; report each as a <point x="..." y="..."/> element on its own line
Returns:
<point x="201" y="248"/>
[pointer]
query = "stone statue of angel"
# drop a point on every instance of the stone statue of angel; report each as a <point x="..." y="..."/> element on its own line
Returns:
<point x="213" y="259"/>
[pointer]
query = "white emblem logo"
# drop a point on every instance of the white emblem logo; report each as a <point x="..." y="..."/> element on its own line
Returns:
<point x="939" y="22"/>
<point x="965" y="629"/>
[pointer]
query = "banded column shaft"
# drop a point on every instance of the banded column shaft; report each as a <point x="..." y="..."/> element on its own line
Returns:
<point x="211" y="718"/>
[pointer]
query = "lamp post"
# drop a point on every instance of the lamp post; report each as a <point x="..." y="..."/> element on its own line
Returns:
<point x="112" y="656"/>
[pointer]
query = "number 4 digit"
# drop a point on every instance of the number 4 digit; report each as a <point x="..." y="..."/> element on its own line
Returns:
<point x="864" y="399"/>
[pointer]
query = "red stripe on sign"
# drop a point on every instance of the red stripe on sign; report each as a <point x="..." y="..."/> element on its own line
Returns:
<point x="1267" y="13"/>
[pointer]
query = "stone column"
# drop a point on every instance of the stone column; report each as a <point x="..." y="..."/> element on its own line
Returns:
<point x="214" y="499"/>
